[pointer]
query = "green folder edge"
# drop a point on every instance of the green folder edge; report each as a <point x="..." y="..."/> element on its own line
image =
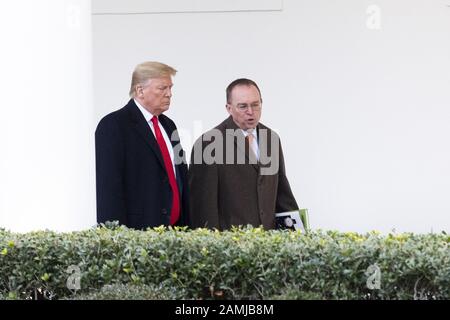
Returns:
<point x="305" y="218"/>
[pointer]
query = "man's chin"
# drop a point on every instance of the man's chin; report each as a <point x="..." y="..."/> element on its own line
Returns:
<point x="164" y="108"/>
<point x="251" y="124"/>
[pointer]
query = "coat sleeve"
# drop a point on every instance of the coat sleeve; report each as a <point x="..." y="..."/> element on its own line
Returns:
<point x="203" y="189"/>
<point x="183" y="185"/>
<point x="285" y="198"/>
<point x="110" y="163"/>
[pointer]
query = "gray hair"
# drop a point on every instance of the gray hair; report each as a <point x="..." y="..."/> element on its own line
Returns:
<point x="149" y="70"/>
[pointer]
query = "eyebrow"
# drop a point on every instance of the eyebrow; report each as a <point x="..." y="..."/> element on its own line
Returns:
<point x="254" y="102"/>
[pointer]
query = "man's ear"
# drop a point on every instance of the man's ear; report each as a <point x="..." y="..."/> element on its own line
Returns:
<point x="228" y="107"/>
<point x="139" y="90"/>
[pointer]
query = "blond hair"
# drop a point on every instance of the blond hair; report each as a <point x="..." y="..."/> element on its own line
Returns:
<point x="149" y="70"/>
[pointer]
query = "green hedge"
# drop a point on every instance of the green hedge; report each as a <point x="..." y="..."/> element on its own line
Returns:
<point x="120" y="291"/>
<point x="245" y="263"/>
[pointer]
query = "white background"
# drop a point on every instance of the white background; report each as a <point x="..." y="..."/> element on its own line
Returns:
<point x="47" y="168"/>
<point x="363" y="114"/>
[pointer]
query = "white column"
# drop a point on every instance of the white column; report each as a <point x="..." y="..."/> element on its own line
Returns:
<point x="47" y="164"/>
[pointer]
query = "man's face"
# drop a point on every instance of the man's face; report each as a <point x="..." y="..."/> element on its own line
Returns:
<point x="155" y="95"/>
<point x="245" y="106"/>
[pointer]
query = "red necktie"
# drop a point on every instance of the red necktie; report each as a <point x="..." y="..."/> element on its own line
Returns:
<point x="175" y="213"/>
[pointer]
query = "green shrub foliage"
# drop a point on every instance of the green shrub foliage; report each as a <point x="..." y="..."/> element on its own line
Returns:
<point x="129" y="291"/>
<point x="244" y="263"/>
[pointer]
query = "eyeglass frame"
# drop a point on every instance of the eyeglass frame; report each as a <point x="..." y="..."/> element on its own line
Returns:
<point x="244" y="107"/>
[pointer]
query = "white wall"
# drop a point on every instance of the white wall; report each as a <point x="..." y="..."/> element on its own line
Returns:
<point x="363" y="114"/>
<point x="47" y="177"/>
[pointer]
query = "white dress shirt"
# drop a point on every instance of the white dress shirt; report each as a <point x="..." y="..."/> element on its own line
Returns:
<point x="148" y="117"/>
<point x="255" y="146"/>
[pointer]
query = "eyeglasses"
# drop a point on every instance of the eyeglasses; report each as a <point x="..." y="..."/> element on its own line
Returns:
<point x="242" y="107"/>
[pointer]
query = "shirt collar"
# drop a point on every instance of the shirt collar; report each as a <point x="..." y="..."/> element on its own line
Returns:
<point x="147" y="115"/>
<point x="254" y="132"/>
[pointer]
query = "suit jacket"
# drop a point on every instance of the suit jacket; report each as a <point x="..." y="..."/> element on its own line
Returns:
<point x="224" y="194"/>
<point x="132" y="182"/>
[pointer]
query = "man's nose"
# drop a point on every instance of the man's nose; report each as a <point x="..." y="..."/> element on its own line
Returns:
<point x="169" y="92"/>
<point x="250" y="110"/>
